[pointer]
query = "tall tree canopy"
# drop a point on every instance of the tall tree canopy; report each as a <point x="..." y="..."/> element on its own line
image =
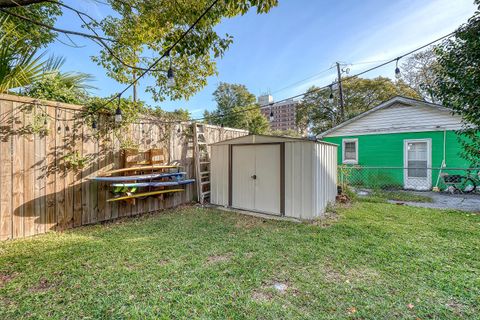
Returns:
<point x="316" y="113"/>
<point x="418" y="71"/>
<point x="140" y="31"/>
<point x="143" y="30"/>
<point x="457" y="83"/>
<point x="31" y="35"/>
<point x="237" y="108"/>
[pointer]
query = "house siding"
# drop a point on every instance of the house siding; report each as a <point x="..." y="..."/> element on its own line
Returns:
<point x="386" y="150"/>
<point x="399" y="118"/>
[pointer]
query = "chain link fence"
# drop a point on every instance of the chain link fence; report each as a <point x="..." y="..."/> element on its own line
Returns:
<point x="453" y="180"/>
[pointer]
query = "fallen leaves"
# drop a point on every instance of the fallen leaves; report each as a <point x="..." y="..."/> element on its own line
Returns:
<point x="352" y="310"/>
<point x="6" y="278"/>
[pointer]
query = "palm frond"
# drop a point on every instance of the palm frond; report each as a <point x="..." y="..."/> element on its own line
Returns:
<point x="53" y="63"/>
<point x="19" y="65"/>
<point x="77" y="80"/>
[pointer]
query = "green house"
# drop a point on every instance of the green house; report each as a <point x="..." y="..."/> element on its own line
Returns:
<point x="402" y="143"/>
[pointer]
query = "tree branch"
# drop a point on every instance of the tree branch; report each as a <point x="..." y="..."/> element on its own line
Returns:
<point x="101" y="42"/>
<point x="95" y="37"/>
<point x="76" y="33"/>
<point x="17" y="3"/>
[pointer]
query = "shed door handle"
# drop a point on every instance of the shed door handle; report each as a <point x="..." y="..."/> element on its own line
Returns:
<point x="254" y="177"/>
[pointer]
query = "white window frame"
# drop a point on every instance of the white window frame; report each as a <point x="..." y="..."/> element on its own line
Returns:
<point x="428" y="184"/>
<point x="356" y="151"/>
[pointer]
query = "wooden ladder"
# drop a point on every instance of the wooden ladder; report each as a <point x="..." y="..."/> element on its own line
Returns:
<point x="202" y="163"/>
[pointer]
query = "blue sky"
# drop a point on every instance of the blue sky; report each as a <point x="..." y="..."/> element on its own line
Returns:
<point x="299" y="39"/>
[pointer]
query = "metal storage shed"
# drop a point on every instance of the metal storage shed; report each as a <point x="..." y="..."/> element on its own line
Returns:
<point x="275" y="175"/>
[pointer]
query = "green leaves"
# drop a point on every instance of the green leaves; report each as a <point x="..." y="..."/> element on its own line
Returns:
<point x="360" y="95"/>
<point x="143" y="30"/>
<point x="457" y="83"/>
<point x="52" y="84"/>
<point x="29" y="34"/>
<point x="234" y="102"/>
<point x="19" y="64"/>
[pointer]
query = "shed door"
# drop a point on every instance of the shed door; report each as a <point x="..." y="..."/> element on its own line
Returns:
<point x="243" y="168"/>
<point x="256" y="178"/>
<point x="267" y="184"/>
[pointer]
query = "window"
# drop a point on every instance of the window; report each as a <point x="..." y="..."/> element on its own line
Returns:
<point x="350" y="151"/>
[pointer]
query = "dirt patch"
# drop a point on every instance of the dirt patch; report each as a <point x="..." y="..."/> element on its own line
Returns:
<point x="247" y="222"/>
<point x="269" y="290"/>
<point x="131" y="266"/>
<point x="349" y="275"/>
<point x="219" y="258"/>
<point x="8" y="303"/>
<point x="249" y="255"/>
<point x="262" y="296"/>
<point x="43" y="285"/>
<point x="456" y="307"/>
<point x="6" y="278"/>
<point x="163" y="262"/>
<point x="328" y="220"/>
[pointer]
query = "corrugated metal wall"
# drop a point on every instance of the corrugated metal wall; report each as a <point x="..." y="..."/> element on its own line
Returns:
<point x="299" y="180"/>
<point x="310" y="178"/>
<point x="325" y="172"/>
<point x="219" y="175"/>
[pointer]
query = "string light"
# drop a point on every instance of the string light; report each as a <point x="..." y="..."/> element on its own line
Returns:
<point x="167" y="52"/>
<point x="118" y="112"/>
<point x="330" y="98"/>
<point x="397" y="74"/>
<point x="397" y="69"/>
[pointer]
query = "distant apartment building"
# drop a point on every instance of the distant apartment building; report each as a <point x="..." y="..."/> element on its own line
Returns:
<point x="284" y="113"/>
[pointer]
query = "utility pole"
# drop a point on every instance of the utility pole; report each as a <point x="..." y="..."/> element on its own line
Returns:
<point x="134" y="77"/>
<point x="340" y="92"/>
<point x="134" y="88"/>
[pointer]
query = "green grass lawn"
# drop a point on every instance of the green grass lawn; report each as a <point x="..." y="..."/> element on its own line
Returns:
<point x="378" y="260"/>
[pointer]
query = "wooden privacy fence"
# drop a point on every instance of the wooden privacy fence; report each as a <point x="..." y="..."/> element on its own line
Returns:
<point x="48" y="153"/>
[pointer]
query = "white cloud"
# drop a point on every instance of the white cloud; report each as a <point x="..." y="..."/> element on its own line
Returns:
<point x="406" y="28"/>
<point x="409" y="27"/>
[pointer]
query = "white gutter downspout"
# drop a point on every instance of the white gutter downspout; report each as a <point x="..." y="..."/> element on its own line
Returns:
<point x="443" y="165"/>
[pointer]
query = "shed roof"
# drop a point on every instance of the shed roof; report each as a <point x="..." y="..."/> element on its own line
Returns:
<point x="257" y="138"/>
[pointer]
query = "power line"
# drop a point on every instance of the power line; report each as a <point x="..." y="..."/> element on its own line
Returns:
<point x="64" y="31"/>
<point x="303" y="80"/>
<point x="366" y="62"/>
<point x="102" y="43"/>
<point x="95" y="37"/>
<point x="167" y="52"/>
<point x="269" y="105"/>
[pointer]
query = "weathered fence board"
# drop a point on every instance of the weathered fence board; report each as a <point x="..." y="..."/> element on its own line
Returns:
<point x="40" y="191"/>
<point x="6" y="171"/>
<point x="18" y="173"/>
